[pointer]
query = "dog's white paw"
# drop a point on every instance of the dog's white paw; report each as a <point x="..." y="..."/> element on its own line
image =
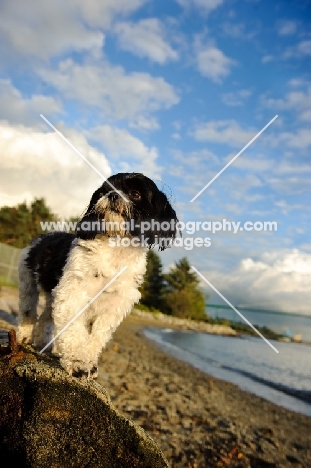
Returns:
<point x="80" y="369"/>
<point x="25" y="333"/>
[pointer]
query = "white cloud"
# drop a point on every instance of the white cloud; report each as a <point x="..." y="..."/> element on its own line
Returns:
<point x="237" y="30"/>
<point x="209" y="59"/>
<point x="205" y="6"/>
<point x="17" y="109"/>
<point x="297" y="101"/>
<point x="195" y="158"/>
<point x="37" y="164"/>
<point x="260" y="164"/>
<point x="236" y="98"/>
<point x="46" y="29"/>
<point x="286" y="208"/>
<point x="223" y="131"/>
<point x="298" y="82"/>
<point x="291" y="184"/>
<point x="193" y="168"/>
<point x="239" y="186"/>
<point x="290" y="167"/>
<point x="300" y="50"/>
<point x="286" y="27"/>
<point x="145" y="123"/>
<point x="110" y="89"/>
<point x="278" y="280"/>
<point x="102" y="13"/>
<point x="126" y="151"/>
<point x="298" y="139"/>
<point x="146" y="38"/>
<point x="267" y="58"/>
<point x="212" y="62"/>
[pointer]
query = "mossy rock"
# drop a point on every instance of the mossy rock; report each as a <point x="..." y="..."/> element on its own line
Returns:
<point x="51" y="420"/>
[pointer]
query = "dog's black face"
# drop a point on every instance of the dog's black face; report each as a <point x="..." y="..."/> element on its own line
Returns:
<point x="130" y="204"/>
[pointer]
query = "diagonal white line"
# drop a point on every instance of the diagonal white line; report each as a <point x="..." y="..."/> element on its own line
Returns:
<point x="82" y="156"/>
<point x="83" y="309"/>
<point x="239" y="313"/>
<point x="233" y="159"/>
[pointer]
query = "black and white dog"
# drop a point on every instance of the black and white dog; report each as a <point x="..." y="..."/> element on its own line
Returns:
<point x="71" y="269"/>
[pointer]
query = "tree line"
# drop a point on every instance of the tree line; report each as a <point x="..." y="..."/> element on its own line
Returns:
<point x="175" y="293"/>
<point x="19" y="224"/>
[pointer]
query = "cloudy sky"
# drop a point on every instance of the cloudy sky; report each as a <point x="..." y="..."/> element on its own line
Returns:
<point x="175" y="90"/>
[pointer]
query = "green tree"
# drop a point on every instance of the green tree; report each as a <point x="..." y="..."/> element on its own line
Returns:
<point x="183" y="297"/>
<point x="152" y="287"/>
<point x="39" y="213"/>
<point x="19" y="224"/>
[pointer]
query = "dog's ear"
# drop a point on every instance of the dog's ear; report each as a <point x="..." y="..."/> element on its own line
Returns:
<point x="168" y="220"/>
<point x="88" y="227"/>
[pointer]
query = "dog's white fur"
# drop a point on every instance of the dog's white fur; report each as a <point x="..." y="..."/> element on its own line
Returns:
<point x="90" y="265"/>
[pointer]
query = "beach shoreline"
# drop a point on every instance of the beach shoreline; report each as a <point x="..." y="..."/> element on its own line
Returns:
<point x="197" y="420"/>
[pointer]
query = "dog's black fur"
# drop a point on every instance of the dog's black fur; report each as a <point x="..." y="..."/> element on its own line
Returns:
<point x="153" y="204"/>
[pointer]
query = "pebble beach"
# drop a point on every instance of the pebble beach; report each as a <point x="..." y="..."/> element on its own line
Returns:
<point x="198" y="421"/>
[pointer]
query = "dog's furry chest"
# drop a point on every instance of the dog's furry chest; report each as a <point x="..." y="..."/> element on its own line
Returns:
<point x="96" y="262"/>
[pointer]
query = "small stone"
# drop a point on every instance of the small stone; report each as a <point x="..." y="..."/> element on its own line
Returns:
<point x="292" y="459"/>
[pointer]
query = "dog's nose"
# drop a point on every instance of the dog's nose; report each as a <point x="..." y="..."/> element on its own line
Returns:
<point x="113" y="196"/>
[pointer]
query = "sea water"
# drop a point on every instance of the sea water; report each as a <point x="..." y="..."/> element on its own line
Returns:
<point x="283" y="378"/>
<point x="279" y="322"/>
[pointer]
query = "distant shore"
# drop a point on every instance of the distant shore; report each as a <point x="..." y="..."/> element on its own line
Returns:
<point x="220" y="326"/>
<point x="198" y="421"/>
<point x="184" y="324"/>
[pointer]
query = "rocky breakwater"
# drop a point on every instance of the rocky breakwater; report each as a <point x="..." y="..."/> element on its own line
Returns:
<point x="184" y="324"/>
<point x="49" y="419"/>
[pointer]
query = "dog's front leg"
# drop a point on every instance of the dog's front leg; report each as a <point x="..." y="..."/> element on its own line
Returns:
<point x="76" y="288"/>
<point x="70" y="327"/>
<point x="108" y="311"/>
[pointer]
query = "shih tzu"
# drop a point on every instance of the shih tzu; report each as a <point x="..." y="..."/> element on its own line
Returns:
<point x="72" y="269"/>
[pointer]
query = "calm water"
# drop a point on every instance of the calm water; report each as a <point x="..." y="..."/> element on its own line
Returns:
<point x="284" y="378"/>
<point x="278" y="323"/>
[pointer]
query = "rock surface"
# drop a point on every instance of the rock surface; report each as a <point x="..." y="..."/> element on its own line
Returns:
<point x="51" y="420"/>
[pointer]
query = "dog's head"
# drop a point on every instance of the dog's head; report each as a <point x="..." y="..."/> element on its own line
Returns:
<point x="130" y="204"/>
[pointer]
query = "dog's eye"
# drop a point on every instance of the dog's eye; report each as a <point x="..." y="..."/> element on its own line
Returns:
<point x="135" y="194"/>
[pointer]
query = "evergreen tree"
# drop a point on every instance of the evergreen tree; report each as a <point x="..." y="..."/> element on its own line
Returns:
<point x="20" y="224"/>
<point x="183" y="297"/>
<point x="181" y="276"/>
<point x="152" y="287"/>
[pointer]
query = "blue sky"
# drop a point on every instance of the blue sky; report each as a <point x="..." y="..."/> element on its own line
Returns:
<point x="174" y="90"/>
